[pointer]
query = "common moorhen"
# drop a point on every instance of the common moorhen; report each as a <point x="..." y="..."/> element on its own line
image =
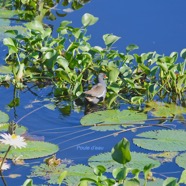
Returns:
<point x="97" y="92"/>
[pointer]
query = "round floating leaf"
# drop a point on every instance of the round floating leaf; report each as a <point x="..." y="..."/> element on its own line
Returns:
<point x="34" y="149"/>
<point x="161" y="140"/>
<point x="138" y="161"/>
<point x="159" y="109"/>
<point x="106" y="128"/>
<point x="181" y="160"/>
<point x="19" y="129"/>
<point x="3" y="117"/>
<point x="111" y="117"/>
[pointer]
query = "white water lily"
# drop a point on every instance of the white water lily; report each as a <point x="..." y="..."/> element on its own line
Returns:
<point x="13" y="140"/>
<point x="5" y="166"/>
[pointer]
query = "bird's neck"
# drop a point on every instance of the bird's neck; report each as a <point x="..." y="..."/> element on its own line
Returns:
<point x="102" y="81"/>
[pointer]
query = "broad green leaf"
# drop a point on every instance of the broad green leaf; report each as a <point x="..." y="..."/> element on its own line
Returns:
<point x="11" y="44"/>
<point x="170" y="182"/>
<point x="160" y="109"/>
<point x="181" y="160"/>
<point x="19" y="129"/>
<point x="114" y="117"/>
<point x="110" y="39"/>
<point x="120" y="173"/>
<point x="131" y="47"/>
<point x="88" y="19"/>
<point x="161" y="140"/>
<point x="28" y="182"/>
<point x="5" y="69"/>
<point x="121" y="152"/>
<point x="113" y="74"/>
<point x="132" y="182"/>
<point x="34" y="149"/>
<point x="138" y="161"/>
<point x="62" y="177"/>
<point x="183" y="177"/>
<point x="3" y="117"/>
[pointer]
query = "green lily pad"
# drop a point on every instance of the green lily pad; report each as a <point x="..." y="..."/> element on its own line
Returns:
<point x="19" y="129"/>
<point x="162" y="140"/>
<point x="138" y="161"/>
<point x="181" y="160"/>
<point x="3" y="117"/>
<point x="114" y="117"/>
<point x="34" y="149"/>
<point x="160" y="109"/>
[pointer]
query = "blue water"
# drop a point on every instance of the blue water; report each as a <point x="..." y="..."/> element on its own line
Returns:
<point x="152" y="25"/>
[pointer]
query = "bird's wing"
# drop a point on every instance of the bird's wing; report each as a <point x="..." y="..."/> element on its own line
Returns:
<point x="96" y="90"/>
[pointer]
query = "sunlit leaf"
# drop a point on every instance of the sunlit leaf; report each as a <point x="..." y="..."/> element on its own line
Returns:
<point x="89" y="19"/>
<point x="34" y="149"/>
<point x="110" y="39"/>
<point x="121" y="152"/>
<point x="181" y="160"/>
<point x="114" y="117"/>
<point x="161" y="140"/>
<point x="3" y="117"/>
<point x="138" y="161"/>
<point x="160" y="109"/>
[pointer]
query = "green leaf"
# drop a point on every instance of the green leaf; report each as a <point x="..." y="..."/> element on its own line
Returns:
<point x="121" y="152"/>
<point x="160" y="109"/>
<point x="110" y="39"/>
<point x="28" y="182"/>
<point x="62" y="177"/>
<point x="5" y="69"/>
<point x="34" y="149"/>
<point x="170" y="182"/>
<point x="88" y="20"/>
<point x="161" y="140"/>
<point x="147" y="169"/>
<point x="114" y="117"/>
<point x="113" y="74"/>
<point x="3" y="117"/>
<point x="131" y="47"/>
<point x="181" y="160"/>
<point x="99" y="170"/>
<point x="183" y="53"/>
<point x="132" y="182"/>
<point x="120" y="173"/>
<point x="138" y="161"/>
<point x="11" y="44"/>
<point x="19" y="129"/>
<point x="183" y="177"/>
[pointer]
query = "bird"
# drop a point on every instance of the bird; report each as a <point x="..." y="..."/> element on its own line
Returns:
<point x="98" y="92"/>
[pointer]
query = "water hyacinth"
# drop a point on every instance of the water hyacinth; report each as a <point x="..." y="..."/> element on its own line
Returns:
<point x="13" y="140"/>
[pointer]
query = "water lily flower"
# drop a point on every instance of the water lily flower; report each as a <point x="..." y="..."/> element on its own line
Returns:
<point x="5" y="166"/>
<point x="13" y="140"/>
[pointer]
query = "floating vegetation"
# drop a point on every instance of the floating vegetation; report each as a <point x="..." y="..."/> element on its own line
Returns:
<point x="114" y="117"/>
<point x="162" y="140"/>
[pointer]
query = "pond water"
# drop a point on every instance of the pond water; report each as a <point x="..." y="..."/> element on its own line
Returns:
<point x="152" y="25"/>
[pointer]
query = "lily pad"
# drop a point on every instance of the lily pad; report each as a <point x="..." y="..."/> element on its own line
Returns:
<point x="181" y="160"/>
<point x="19" y="129"/>
<point x="114" y="117"/>
<point x="3" y="117"/>
<point x="34" y="149"/>
<point x="160" y="109"/>
<point x="162" y="140"/>
<point x="138" y="161"/>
